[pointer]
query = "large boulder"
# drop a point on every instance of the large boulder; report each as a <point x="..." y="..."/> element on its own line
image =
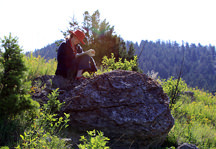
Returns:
<point x="129" y="107"/>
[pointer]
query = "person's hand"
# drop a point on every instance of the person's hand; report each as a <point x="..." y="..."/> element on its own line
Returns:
<point x="90" y="52"/>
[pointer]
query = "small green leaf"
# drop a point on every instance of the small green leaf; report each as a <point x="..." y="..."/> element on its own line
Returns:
<point x="22" y="137"/>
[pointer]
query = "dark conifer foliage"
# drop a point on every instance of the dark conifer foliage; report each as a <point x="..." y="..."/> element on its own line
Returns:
<point x="166" y="58"/>
<point x="13" y="89"/>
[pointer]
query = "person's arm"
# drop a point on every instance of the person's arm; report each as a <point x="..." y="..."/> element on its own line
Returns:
<point x="80" y="52"/>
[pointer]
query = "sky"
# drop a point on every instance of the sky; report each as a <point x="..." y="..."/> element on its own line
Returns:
<point x="38" y="23"/>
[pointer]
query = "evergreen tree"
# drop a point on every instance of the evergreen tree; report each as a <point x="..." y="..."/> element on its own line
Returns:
<point x="100" y="36"/>
<point x="131" y="52"/>
<point x="13" y="92"/>
<point x="123" y="50"/>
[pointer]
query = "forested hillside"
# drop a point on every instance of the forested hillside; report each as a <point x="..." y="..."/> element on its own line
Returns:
<point x="48" y="52"/>
<point x="166" y="58"/>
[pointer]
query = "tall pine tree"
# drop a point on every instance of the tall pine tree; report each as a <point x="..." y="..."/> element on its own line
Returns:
<point x="14" y="96"/>
<point x="131" y="52"/>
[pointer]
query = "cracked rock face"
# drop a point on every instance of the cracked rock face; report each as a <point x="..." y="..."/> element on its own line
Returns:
<point x="122" y="104"/>
<point x="129" y="107"/>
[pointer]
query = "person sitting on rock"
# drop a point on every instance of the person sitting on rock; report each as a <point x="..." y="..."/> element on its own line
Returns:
<point x="72" y="61"/>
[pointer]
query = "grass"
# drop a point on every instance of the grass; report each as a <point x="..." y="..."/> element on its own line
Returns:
<point x="195" y="120"/>
<point x="39" y="66"/>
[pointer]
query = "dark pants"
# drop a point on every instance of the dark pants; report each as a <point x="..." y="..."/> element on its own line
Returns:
<point x="86" y="63"/>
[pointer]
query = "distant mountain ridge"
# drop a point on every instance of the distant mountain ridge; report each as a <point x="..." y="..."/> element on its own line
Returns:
<point x="199" y="65"/>
<point x="47" y="52"/>
<point x="167" y="57"/>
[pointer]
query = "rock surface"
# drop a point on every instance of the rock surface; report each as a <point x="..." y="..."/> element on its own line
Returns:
<point x="129" y="107"/>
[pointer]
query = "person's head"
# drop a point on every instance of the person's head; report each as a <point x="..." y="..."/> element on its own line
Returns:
<point x="77" y="37"/>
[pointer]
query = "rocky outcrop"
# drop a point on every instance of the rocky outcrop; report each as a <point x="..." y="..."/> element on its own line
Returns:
<point x="129" y="107"/>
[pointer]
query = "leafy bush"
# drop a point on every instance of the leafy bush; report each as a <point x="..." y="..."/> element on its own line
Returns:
<point x="173" y="91"/>
<point x="94" y="141"/>
<point x="110" y="63"/>
<point x="53" y="104"/>
<point x="46" y="127"/>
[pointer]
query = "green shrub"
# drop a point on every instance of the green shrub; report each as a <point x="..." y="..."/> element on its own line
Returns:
<point x="46" y="127"/>
<point x="14" y="97"/>
<point x="110" y="63"/>
<point x="169" y="87"/>
<point x="94" y="140"/>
